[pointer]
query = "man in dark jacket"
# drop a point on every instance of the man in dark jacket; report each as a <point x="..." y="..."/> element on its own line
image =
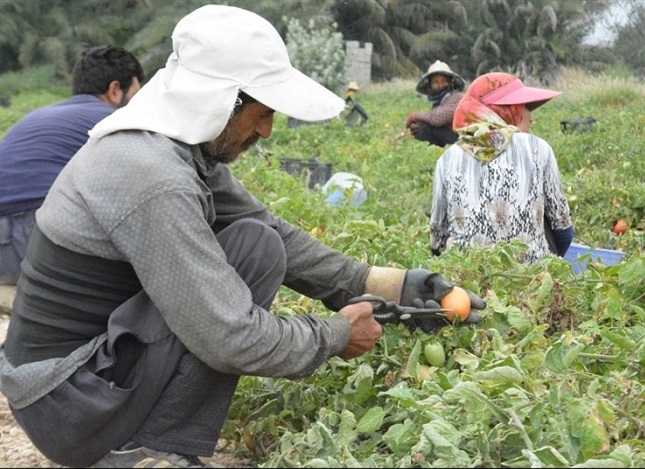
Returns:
<point x="35" y="150"/>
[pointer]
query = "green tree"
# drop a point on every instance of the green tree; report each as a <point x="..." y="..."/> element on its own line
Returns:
<point x="630" y="37"/>
<point x="407" y="34"/>
<point x="35" y="32"/>
<point x="526" y="37"/>
<point x="152" y="40"/>
<point x="530" y="38"/>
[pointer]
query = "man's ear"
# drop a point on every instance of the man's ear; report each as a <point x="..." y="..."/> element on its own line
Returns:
<point x="114" y="94"/>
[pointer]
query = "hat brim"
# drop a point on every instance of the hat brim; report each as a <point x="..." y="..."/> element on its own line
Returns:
<point x="299" y="97"/>
<point x="531" y="97"/>
<point x="191" y="108"/>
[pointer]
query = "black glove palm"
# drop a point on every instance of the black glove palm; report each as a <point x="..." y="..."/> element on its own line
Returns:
<point x="425" y="289"/>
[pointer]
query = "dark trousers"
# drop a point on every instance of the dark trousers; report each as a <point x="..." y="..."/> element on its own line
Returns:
<point x="440" y="136"/>
<point x="15" y="231"/>
<point x="143" y="384"/>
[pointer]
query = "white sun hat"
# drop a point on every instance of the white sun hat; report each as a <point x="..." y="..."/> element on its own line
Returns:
<point x="217" y="52"/>
<point x="442" y="68"/>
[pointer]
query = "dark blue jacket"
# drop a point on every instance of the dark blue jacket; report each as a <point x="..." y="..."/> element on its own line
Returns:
<point x="37" y="148"/>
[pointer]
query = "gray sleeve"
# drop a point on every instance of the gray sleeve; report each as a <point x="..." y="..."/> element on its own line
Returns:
<point x="134" y="197"/>
<point x="313" y="268"/>
<point x="207" y="305"/>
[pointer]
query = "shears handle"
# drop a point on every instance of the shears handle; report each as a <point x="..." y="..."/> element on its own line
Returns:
<point x="382" y="312"/>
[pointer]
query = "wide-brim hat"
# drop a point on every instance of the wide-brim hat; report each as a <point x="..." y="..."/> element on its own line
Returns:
<point x="458" y="83"/>
<point x="516" y="92"/>
<point x="219" y="51"/>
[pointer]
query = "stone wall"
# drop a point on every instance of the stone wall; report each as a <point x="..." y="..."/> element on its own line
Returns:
<point x="358" y="62"/>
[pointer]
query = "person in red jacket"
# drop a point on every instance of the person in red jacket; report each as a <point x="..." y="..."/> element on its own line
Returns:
<point x="444" y="89"/>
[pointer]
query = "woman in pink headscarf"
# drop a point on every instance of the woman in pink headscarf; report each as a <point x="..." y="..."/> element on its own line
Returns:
<point x="499" y="182"/>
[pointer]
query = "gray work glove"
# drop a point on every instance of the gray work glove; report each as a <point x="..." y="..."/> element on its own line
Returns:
<point x="425" y="289"/>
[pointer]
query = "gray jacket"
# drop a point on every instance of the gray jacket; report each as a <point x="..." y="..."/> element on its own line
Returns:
<point x="143" y="198"/>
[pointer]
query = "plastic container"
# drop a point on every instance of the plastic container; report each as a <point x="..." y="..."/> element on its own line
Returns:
<point x="340" y="184"/>
<point x="313" y="170"/>
<point x="605" y="256"/>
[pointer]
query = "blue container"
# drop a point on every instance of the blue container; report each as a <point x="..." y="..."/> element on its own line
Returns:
<point x="606" y="256"/>
<point x="339" y="183"/>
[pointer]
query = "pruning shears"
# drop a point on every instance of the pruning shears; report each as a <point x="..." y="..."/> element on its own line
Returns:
<point x="390" y="312"/>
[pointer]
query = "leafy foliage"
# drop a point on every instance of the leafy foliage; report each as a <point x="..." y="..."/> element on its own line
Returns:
<point x="554" y="376"/>
<point x="631" y="36"/>
<point x="318" y="53"/>
<point x="527" y="37"/>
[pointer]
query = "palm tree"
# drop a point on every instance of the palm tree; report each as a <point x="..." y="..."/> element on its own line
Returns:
<point x="529" y="37"/>
<point x="56" y="31"/>
<point x="407" y="34"/>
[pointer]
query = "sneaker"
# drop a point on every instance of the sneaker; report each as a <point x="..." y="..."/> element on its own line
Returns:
<point x="145" y="457"/>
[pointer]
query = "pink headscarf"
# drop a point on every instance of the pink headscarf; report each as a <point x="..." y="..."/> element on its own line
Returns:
<point x="488" y="115"/>
<point x="471" y="110"/>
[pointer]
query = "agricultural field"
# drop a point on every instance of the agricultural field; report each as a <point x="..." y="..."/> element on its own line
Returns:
<point x="554" y="375"/>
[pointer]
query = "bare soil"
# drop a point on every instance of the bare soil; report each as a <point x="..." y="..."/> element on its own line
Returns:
<point x="16" y="450"/>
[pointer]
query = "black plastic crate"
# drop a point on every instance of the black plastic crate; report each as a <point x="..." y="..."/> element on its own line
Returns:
<point x="315" y="172"/>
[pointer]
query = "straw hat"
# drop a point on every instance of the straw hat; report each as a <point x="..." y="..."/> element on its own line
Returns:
<point x="353" y="86"/>
<point x="458" y="83"/>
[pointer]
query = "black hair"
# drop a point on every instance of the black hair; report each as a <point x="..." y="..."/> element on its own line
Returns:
<point x="246" y="99"/>
<point x="97" y="67"/>
<point x="242" y="99"/>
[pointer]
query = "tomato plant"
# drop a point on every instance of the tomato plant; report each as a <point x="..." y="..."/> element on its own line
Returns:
<point x="553" y="376"/>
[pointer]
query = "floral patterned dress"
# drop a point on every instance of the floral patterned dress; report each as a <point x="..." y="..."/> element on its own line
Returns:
<point x="478" y="201"/>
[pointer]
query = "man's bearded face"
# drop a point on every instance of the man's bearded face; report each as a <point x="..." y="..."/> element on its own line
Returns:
<point x="242" y="131"/>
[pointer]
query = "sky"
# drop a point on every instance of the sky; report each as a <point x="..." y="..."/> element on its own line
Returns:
<point x="603" y="33"/>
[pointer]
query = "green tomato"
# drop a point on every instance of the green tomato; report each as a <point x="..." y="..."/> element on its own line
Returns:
<point x="435" y="354"/>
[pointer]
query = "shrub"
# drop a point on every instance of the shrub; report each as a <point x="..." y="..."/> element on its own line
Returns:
<point x="318" y="53"/>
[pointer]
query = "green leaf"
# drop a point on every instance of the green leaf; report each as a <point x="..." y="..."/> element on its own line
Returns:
<point x="553" y="359"/>
<point x="321" y="438"/>
<point x="501" y="374"/>
<point x="413" y="360"/>
<point x="605" y="411"/>
<point x="401" y="437"/>
<point x="543" y="295"/>
<point x="518" y="320"/>
<point x="346" y="429"/>
<point x="401" y="393"/>
<point x="551" y="457"/>
<point x="614" y="305"/>
<point x="371" y="421"/>
<point x="571" y="354"/>
<point x="618" y="338"/>
<point x="587" y="427"/>
<point x="560" y="356"/>
<point x="465" y="358"/>
<point x="445" y="443"/>
<point x="620" y="457"/>
<point x="317" y="463"/>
